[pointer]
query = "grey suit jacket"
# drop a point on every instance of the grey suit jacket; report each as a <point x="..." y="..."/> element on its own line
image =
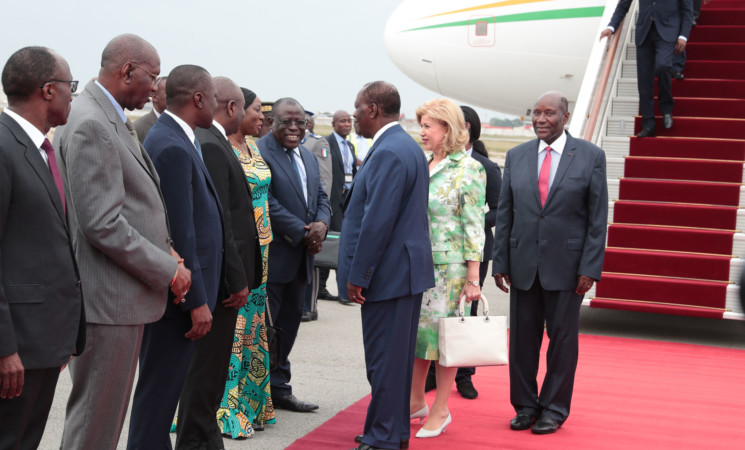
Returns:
<point x="41" y="304"/>
<point x="320" y="149"/>
<point x="565" y="238"/>
<point x="117" y="214"/>
<point x="143" y="125"/>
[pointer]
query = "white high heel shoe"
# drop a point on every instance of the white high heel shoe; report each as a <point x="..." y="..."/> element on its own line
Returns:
<point x="422" y="433"/>
<point x="421" y="414"/>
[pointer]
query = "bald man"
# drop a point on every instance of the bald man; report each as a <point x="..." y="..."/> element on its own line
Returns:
<point x="196" y="218"/>
<point x="121" y="238"/>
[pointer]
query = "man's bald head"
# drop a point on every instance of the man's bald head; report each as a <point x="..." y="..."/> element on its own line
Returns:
<point x="129" y="70"/>
<point x="342" y="123"/>
<point x="126" y="48"/>
<point x="230" y="104"/>
<point x="556" y="98"/>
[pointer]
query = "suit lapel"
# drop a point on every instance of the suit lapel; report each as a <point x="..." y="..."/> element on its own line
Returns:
<point x="533" y="171"/>
<point x="286" y="165"/>
<point x="567" y="157"/>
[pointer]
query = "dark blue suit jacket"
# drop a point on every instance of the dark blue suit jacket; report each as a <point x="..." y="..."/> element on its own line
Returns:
<point x="290" y="213"/>
<point x="385" y="246"/>
<point x="565" y="238"/>
<point x="672" y="18"/>
<point x="194" y="211"/>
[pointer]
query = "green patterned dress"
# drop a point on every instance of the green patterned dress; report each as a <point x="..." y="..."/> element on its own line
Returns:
<point x="457" y="188"/>
<point x="247" y="401"/>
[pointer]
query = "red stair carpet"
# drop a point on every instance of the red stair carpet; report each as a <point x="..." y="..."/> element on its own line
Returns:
<point x="629" y="394"/>
<point x="670" y="242"/>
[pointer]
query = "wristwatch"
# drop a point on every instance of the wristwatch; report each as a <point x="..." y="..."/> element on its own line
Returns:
<point x="472" y="283"/>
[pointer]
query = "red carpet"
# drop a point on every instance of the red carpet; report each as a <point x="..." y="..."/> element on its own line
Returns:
<point x="628" y="394"/>
<point x="680" y="192"/>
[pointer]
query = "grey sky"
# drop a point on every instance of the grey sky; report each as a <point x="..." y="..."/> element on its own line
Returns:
<point x="320" y="52"/>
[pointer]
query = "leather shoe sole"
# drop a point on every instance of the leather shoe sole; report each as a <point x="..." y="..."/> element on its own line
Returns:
<point x="404" y="445"/>
<point x="292" y="403"/>
<point x="646" y="132"/>
<point x="545" y="425"/>
<point x="522" y="421"/>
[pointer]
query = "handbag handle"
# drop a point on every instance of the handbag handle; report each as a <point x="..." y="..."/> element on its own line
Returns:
<point x="462" y="307"/>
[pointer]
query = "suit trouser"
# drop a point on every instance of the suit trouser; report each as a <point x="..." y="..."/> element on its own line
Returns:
<point x="102" y="379"/>
<point x="164" y="361"/>
<point x="205" y="384"/>
<point x="654" y="57"/>
<point x="389" y="331"/>
<point x="286" y="305"/>
<point x="528" y="311"/>
<point x="311" y="292"/>
<point x="23" y="418"/>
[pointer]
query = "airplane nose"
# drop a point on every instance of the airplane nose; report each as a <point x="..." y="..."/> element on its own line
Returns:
<point x="409" y="50"/>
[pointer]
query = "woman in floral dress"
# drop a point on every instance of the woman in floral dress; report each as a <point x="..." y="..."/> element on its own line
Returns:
<point x="247" y="403"/>
<point x="457" y="185"/>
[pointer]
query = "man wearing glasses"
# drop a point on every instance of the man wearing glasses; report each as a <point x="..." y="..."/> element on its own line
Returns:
<point x="40" y="294"/>
<point x="299" y="208"/>
<point x="121" y="236"/>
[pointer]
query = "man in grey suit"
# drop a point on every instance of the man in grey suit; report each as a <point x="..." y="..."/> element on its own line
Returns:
<point x="121" y="238"/>
<point x="40" y="290"/>
<point x="144" y="123"/>
<point x="550" y="242"/>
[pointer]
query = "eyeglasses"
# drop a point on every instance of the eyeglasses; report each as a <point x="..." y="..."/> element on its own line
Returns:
<point x="298" y="123"/>
<point x="155" y="78"/>
<point x="73" y="84"/>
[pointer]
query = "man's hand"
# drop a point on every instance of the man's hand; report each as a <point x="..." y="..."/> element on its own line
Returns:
<point x="11" y="376"/>
<point x="237" y="300"/>
<point x="316" y="233"/>
<point x="680" y="46"/>
<point x="201" y="322"/>
<point x="502" y="280"/>
<point x="607" y="33"/>
<point x="355" y="293"/>
<point x="182" y="282"/>
<point x="583" y="284"/>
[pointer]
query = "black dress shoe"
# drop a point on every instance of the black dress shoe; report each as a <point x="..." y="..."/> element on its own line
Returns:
<point x="646" y="132"/>
<point x="522" y="421"/>
<point x="346" y="302"/>
<point x="366" y="447"/>
<point x="466" y="389"/>
<point x="667" y="120"/>
<point x="403" y="445"/>
<point x="679" y="76"/>
<point x="308" y="316"/>
<point x="324" y="294"/>
<point x="545" y="425"/>
<point x="292" y="403"/>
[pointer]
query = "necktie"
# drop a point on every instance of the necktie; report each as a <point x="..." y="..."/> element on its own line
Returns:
<point x="199" y="148"/>
<point x="47" y="147"/>
<point x="544" y="176"/>
<point x="345" y="155"/>
<point x="132" y="131"/>
<point x="294" y="165"/>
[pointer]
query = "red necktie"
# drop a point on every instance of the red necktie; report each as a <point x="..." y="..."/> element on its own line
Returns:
<point x="47" y="147"/>
<point x="543" y="177"/>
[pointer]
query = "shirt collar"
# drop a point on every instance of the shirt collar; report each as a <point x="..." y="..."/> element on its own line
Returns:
<point x="220" y="128"/>
<point x="187" y="129"/>
<point x="36" y="136"/>
<point x="383" y="130"/>
<point x="557" y="146"/>
<point x="117" y="106"/>
<point x="338" y="137"/>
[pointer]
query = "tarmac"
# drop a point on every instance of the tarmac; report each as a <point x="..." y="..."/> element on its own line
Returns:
<point x="328" y="362"/>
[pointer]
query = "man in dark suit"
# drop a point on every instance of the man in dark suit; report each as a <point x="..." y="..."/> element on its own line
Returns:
<point x="299" y="209"/>
<point x="121" y="238"/>
<point x="205" y="381"/>
<point x="40" y="291"/>
<point x="144" y="123"/>
<point x="662" y="30"/>
<point x="195" y="214"/>
<point x="385" y="259"/>
<point x="550" y="242"/>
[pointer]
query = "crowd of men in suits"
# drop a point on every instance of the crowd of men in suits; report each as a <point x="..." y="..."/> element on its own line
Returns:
<point x="157" y="233"/>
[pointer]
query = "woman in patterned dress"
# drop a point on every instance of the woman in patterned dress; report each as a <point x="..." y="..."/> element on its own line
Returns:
<point x="247" y="403"/>
<point x="457" y="185"/>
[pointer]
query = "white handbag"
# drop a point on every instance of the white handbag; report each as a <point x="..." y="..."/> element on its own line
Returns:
<point x="473" y="341"/>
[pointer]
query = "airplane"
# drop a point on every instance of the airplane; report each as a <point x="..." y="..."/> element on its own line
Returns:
<point x="496" y="55"/>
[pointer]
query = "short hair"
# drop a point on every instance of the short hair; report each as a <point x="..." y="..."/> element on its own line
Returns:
<point x="248" y="96"/>
<point x="288" y="101"/>
<point x="385" y="95"/>
<point x="26" y="70"/>
<point x="125" y="48"/>
<point x="563" y="102"/>
<point x="449" y="114"/>
<point x="183" y="82"/>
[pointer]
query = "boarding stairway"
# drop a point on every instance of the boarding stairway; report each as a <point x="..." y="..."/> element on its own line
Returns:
<point x="676" y="219"/>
